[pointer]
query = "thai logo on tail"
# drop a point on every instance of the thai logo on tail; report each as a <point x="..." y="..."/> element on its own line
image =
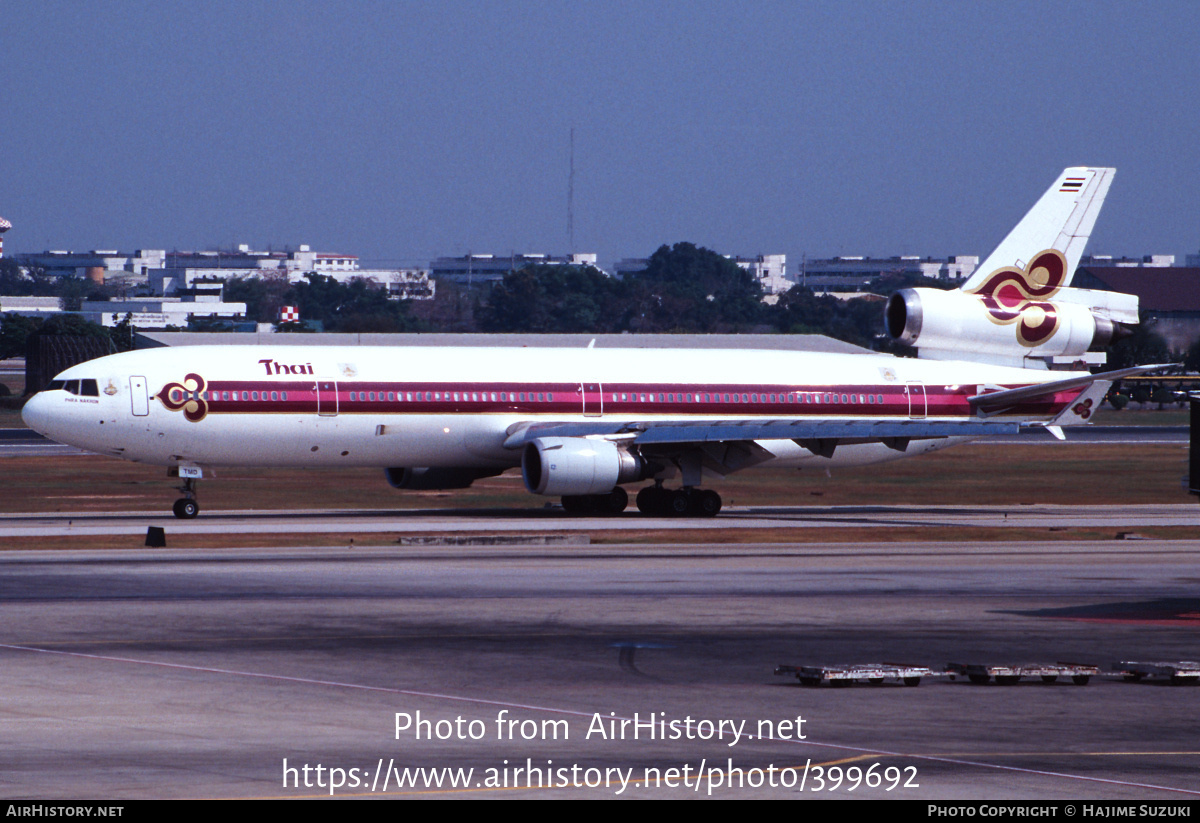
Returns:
<point x="188" y="396"/>
<point x="1018" y="295"/>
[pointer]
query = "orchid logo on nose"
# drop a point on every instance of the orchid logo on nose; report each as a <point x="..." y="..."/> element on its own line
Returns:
<point x="188" y="396"/>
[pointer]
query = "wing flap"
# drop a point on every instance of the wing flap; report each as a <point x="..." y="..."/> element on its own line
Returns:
<point x="654" y="433"/>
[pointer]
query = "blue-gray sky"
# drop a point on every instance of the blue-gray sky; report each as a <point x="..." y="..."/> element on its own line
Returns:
<point x="405" y="130"/>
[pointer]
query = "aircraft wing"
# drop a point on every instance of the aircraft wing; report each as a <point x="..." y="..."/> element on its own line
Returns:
<point x="667" y="432"/>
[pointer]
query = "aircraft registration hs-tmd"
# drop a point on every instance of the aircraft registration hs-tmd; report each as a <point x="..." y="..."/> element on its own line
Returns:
<point x="583" y="422"/>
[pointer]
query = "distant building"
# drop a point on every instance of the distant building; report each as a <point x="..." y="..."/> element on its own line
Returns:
<point x="770" y="270"/>
<point x="1149" y="261"/>
<point x="1169" y="296"/>
<point x="34" y="306"/>
<point x="853" y="273"/>
<point x="99" y="265"/>
<point x="476" y="269"/>
<point x="176" y="273"/>
<point x="161" y="312"/>
<point x="183" y="271"/>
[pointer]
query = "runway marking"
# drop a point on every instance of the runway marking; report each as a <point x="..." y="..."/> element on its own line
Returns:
<point x="862" y="751"/>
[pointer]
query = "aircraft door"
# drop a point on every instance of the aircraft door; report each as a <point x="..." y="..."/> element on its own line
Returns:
<point x="327" y="398"/>
<point x="139" y="396"/>
<point x="593" y="399"/>
<point x="917" y="403"/>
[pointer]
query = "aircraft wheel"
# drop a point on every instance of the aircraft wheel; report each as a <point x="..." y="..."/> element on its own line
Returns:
<point x="579" y="503"/>
<point x="680" y="503"/>
<point x="651" y="500"/>
<point x="710" y="503"/>
<point x="185" y="508"/>
<point x="615" y="501"/>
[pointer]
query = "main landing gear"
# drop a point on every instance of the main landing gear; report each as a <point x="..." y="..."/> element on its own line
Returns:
<point x="686" y="502"/>
<point x="653" y="500"/>
<point x="186" y="507"/>
<point x="605" y="504"/>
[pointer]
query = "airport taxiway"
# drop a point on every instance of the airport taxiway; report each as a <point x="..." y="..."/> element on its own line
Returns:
<point x="198" y="673"/>
<point x="553" y="519"/>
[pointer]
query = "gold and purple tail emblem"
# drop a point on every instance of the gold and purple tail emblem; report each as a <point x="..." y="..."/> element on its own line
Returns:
<point x="1016" y="295"/>
<point x="187" y="396"/>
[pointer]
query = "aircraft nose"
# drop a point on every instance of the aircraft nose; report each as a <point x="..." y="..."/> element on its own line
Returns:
<point x="36" y="413"/>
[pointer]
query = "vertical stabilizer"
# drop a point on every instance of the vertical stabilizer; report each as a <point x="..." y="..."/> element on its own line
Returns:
<point x="1062" y="220"/>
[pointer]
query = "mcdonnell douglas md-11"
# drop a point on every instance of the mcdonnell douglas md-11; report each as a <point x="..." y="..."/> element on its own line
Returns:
<point x="584" y="422"/>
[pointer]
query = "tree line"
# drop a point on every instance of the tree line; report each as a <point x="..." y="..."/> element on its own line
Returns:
<point x="683" y="289"/>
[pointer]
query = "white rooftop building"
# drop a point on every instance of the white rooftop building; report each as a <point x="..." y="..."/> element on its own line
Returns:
<point x="160" y="312"/>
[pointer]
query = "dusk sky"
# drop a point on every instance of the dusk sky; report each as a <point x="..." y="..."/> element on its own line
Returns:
<point x="400" y="131"/>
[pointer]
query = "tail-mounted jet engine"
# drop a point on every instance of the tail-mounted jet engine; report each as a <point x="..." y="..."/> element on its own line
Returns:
<point x="958" y="323"/>
<point x="1010" y="315"/>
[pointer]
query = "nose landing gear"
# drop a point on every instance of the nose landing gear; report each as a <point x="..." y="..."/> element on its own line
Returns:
<point x="186" y="507"/>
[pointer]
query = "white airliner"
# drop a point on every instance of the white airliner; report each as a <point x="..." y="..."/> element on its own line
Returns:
<point x="583" y="422"/>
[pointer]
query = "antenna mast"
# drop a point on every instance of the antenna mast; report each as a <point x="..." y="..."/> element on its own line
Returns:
<point x="571" y="198"/>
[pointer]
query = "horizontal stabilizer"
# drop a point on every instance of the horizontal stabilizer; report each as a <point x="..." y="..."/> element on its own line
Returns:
<point x="991" y="401"/>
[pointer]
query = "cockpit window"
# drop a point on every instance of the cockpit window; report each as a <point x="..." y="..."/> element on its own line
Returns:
<point x="87" y="388"/>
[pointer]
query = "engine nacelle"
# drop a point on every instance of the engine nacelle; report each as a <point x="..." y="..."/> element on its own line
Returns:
<point x="436" y="478"/>
<point x="958" y="324"/>
<point x="577" y="465"/>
